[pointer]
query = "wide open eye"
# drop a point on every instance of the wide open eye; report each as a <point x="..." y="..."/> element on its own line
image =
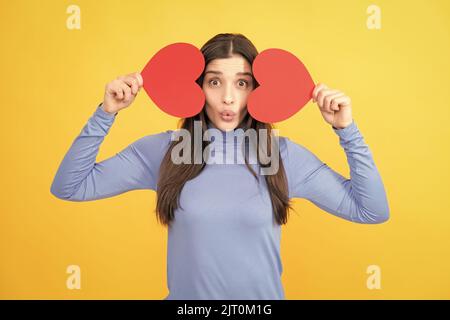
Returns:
<point x="213" y="82"/>
<point x="244" y="82"/>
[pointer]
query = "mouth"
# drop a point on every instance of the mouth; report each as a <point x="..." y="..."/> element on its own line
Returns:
<point x="227" y="115"/>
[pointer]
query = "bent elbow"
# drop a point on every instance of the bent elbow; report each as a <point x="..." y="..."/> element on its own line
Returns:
<point x="384" y="214"/>
<point x="374" y="217"/>
<point x="54" y="190"/>
<point x="56" y="193"/>
<point x="382" y="218"/>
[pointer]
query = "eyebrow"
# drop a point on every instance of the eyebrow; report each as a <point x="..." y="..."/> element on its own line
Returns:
<point x="238" y="73"/>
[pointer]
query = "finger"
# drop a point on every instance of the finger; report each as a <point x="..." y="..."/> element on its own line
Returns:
<point x="114" y="89"/>
<point x="327" y="98"/>
<point x="333" y="105"/>
<point x="317" y="89"/>
<point x="127" y="91"/>
<point x="343" y="101"/>
<point x="322" y="99"/>
<point x="139" y="79"/>
<point x="133" y="83"/>
<point x="122" y="88"/>
<point x="117" y="90"/>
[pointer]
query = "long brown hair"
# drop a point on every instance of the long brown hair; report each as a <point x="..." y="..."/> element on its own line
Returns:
<point x="172" y="177"/>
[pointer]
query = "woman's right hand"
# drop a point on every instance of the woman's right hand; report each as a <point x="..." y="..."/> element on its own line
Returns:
<point x="120" y="93"/>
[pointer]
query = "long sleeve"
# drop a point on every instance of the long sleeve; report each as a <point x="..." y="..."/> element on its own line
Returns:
<point x="361" y="199"/>
<point x="81" y="178"/>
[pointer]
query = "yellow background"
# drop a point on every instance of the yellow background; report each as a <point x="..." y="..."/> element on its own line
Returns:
<point x="53" y="79"/>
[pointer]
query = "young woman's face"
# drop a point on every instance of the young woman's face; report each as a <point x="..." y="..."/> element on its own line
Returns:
<point x="227" y="84"/>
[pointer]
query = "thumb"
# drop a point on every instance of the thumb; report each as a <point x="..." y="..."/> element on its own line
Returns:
<point x="140" y="79"/>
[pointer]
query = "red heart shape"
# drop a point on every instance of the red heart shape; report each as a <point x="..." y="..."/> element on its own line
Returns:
<point x="169" y="79"/>
<point x="285" y="86"/>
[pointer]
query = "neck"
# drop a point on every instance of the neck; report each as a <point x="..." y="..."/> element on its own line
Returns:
<point x="225" y="143"/>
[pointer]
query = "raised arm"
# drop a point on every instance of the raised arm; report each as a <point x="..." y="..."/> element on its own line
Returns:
<point x="81" y="178"/>
<point x="360" y="199"/>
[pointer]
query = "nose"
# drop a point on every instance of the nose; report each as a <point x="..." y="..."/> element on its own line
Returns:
<point x="228" y="95"/>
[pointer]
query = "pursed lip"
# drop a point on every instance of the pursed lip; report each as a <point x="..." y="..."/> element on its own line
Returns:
<point x="228" y="113"/>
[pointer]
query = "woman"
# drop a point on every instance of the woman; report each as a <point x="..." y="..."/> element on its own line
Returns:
<point x="224" y="220"/>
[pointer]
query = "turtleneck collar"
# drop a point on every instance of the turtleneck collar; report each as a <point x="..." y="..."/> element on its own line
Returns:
<point x="227" y="144"/>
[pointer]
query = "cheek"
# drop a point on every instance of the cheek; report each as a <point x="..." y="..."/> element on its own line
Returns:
<point x="211" y="97"/>
<point x="243" y="98"/>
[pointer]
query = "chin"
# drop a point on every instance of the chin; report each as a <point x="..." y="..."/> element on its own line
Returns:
<point x="227" y="126"/>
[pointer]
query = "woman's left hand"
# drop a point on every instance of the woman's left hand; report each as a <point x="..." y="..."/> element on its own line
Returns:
<point x="335" y="106"/>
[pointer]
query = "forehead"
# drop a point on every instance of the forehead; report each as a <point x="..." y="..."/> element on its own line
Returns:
<point x="229" y="66"/>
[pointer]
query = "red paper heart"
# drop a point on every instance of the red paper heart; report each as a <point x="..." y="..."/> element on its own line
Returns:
<point x="285" y="86"/>
<point x="169" y="79"/>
